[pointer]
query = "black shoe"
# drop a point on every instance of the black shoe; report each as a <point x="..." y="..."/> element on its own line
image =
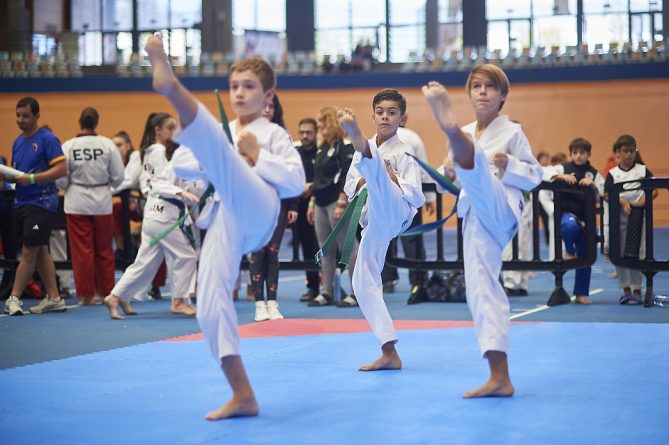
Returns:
<point x="515" y="292"/>
<point x="418" y="295"/>
<point x="308" y="296"/>
<point x="155" y="293"/>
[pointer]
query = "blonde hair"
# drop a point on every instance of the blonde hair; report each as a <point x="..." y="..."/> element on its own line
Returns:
<point x="258" y="67"/>
<point x="492" y="72"/>
<point x="333" y="132"/>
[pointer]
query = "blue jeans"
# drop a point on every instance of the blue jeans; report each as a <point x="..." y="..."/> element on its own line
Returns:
<point x="573" y="236"/>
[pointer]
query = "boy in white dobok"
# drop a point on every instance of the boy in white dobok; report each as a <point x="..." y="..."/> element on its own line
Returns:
<point x="393" y="183"/>
<point x="250" y="181"/>
<point x="494" y="164"/>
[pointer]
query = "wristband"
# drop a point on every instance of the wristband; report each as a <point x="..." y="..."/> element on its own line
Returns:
<point x="31" y="177"/>
<point x="312" y="204"/>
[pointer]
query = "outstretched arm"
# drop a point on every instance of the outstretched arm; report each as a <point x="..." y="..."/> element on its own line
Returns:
<point x="461" y="146"/>
<point x="167" y="84"/>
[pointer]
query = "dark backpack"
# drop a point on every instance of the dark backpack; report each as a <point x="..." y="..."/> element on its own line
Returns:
<point x="446" y="287"/>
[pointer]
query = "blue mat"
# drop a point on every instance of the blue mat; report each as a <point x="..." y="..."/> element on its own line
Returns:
<point x="576" y="383"/>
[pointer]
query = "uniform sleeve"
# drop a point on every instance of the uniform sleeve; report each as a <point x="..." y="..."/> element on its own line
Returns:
<point x="523" y="171"/>
<point x="599" y="184"/>
<point x="352" y="177"/>
<point x="281" y="166"/>
<point x="64" y="182"/>
<point x="54" y="152"/>
<point x="163" y="183"/>
<point x="116" y="169"/>
<point x="551" y="172"/>
<point x="408" y="177"/>
<point x="131" y="174"/>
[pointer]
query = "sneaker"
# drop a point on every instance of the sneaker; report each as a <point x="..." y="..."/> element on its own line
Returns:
<point x="13" y="306"/>
<point x="348" y="301"/>
<point x="273" y="310"/>
<point x="261" y="311"/>
<point x="48" y="305"/>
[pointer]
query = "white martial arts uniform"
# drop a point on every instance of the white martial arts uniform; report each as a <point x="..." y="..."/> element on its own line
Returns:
<point x="158" y="179"/>
<point x="491" y="203"/>
<point x="131" y="174"/>
<point x="243" y="216"/>
<point x="388" y="212"/>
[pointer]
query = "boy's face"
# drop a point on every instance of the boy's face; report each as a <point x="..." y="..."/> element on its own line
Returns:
<point x="387" y="118"/>
<point x="247" y="96"/>
<point x="484" y="96"/>
<point x="579" y="156"/>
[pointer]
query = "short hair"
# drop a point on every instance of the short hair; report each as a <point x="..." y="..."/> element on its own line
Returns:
<point x="494" y="73"/>
<point x="29" y="102"/>
<point x="89" y="119"/>
<point x="580" y="144"/>
<point x="309" y="121"/>
<point x="392" y="95"/>
<point x="542" y="154"/>
<point x="260" y="68"/>
<point x="625" y="140"/>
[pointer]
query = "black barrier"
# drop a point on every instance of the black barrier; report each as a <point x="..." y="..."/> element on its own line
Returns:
<point x="559" y="266"/>
<point x="649" y="266"/>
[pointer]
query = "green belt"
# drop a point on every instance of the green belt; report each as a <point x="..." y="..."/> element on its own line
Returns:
<point x="351" y="217"/>
<point x="187" y="230"/>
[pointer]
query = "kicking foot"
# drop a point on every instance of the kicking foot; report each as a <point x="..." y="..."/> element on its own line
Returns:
<point x="491" y="389"/>
<point x="235" y="408"/>
<point x="183" y="308"/>
<point x="112" y="302"/>
<point x="164" y="80"/>
<point x="350" y="125"/>
<point x="386" y="361"/>
<point x="582" y="299"/>
<point x="437" y="98"/>
<point x="127" y="308"/>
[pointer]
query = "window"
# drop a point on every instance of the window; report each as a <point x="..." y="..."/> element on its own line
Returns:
<point x="260" y="15"/>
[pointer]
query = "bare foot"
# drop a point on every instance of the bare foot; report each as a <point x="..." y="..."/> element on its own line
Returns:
<point x="388" y="360"/>
<point x="582" y="299"/>
<point x="127" y="307"/>
<point x="569" y="256"/>
<point x="350" y="125"/>
<point x="182" y="308"/>
<point x="492" y="388"/>
<point x="235" y="408"/>
<point x="164" y="80"/>
<point x="112" y="302"/>
<point x="437" y="97"/>
<point x="89" y="301"/>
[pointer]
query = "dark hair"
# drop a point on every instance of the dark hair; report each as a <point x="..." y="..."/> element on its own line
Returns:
<point x="278" y="112"/>
<point x="29" y="101"/>
<point x="625" y="140"/>
<point x="542" y="153"/>
<point x="89" y="119"/>
<point x="393" y="95"/>
<point x="149" y="137"/>
<point x="308" y="120"/>
<point x="580" y="144"/>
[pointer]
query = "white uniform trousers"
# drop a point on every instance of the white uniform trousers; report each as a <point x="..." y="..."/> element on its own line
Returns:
<point x="489" y="224"/>
<point x="243" y="222"/>
<point x="182" y="258"/>
<point x="387" y="216"/>
<point x="519" y="279"/>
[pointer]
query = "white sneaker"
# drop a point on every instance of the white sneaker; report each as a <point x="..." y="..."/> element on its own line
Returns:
<point x="273" y="309"/>
<point x="13" y="306"/>
<point x="261" y="311"/>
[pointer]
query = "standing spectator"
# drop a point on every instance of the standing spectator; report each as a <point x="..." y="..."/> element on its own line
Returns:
<point x="577" y="173"/>
<point x="264" y="263"/>
<point x="328" y="201"/>
<point x="630" y="168"/>
<point x="93" y="164"/>
<point x="306" y="234"/>
<point x="37" y="153"/>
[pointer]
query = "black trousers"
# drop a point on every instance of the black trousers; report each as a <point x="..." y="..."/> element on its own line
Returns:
<point x="306" y="236"/>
